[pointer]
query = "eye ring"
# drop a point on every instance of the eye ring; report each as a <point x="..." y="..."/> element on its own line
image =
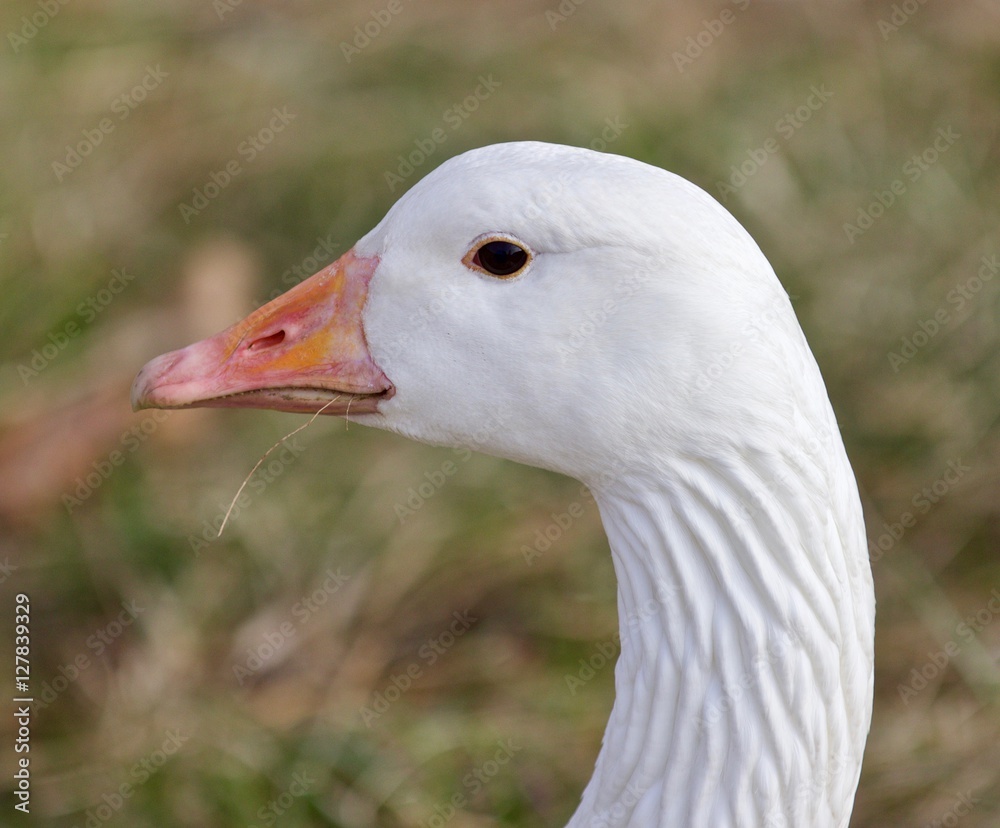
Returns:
<point x="498" y="255"/>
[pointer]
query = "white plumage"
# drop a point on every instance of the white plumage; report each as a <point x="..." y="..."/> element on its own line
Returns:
<point x="648" y="350"/>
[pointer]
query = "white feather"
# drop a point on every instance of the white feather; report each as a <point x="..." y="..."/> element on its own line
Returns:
<point x="650" y="352"/>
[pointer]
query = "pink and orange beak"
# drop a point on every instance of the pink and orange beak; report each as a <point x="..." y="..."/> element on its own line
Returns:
<point x="299" y="353"/>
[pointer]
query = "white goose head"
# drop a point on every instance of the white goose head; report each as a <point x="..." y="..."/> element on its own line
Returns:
<point x="593" y="315"/>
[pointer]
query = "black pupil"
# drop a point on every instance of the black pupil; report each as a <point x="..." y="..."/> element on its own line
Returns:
<point x="501" y="258"/>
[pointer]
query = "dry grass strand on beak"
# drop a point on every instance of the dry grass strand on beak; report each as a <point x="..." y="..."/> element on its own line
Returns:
<point x="246" y="480"/>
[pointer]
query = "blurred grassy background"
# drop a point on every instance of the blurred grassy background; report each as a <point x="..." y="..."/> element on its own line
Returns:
<point x="250" y="680"/>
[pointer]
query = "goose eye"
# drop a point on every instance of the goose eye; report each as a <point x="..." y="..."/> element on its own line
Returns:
<point x="500" y="257"/>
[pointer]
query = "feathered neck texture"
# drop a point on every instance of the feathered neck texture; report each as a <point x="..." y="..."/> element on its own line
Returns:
<point x="743" y="688"/>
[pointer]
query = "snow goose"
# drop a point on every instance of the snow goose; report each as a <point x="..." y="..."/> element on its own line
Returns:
<point x="639" y="341"/>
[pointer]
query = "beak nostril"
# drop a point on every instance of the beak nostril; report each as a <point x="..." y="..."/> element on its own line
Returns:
<point x="267" y="341"/>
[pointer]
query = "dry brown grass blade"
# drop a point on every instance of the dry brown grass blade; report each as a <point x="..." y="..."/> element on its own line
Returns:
<point x="246" y="479"/>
